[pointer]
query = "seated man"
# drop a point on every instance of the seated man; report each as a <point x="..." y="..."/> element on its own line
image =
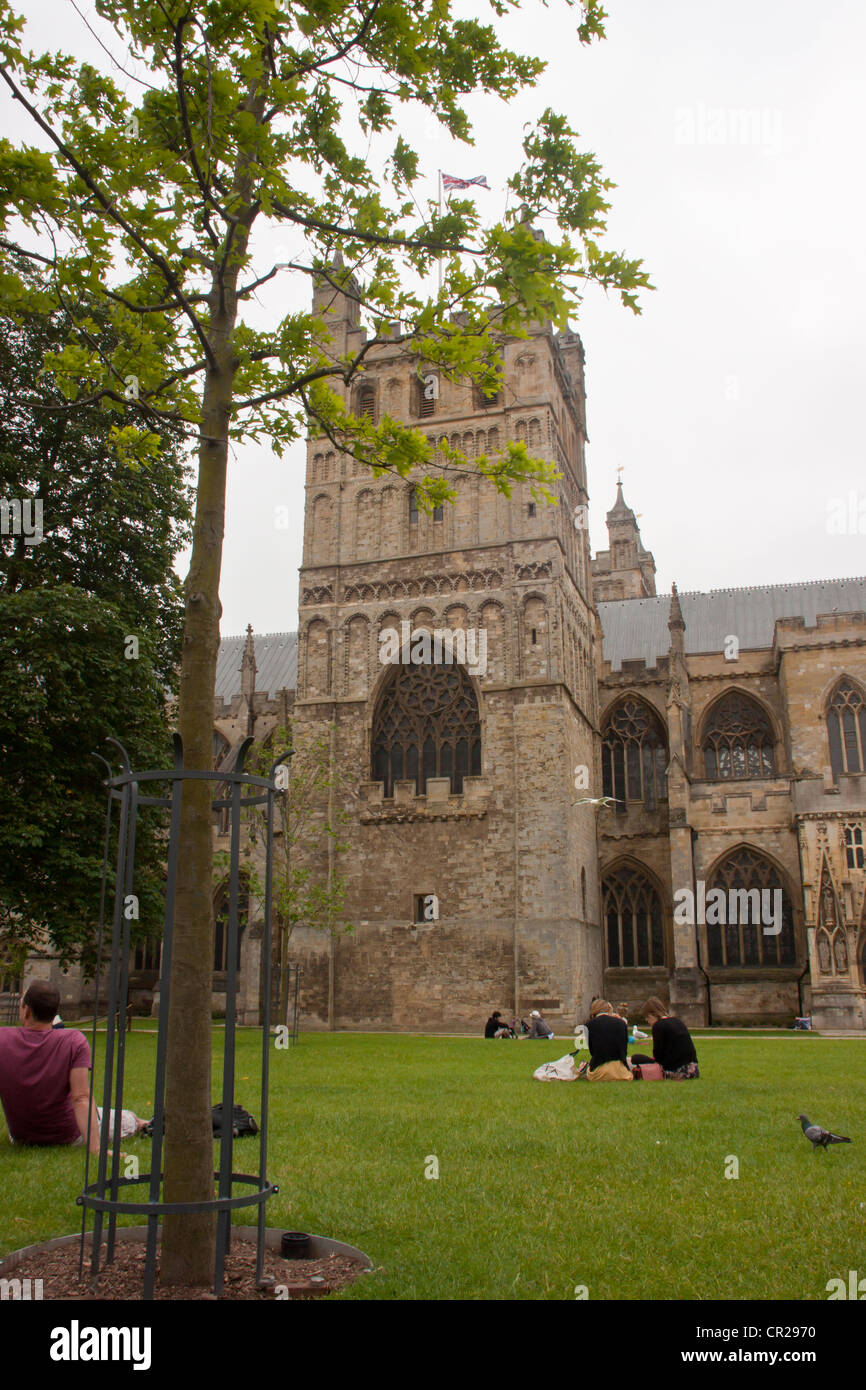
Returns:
<point x="540" y="1028"/>
<point x="44" y="1084"/>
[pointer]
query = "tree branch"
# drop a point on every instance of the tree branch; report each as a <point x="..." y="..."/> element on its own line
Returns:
<point x="117" y="217"/>
<point x="307" y="378"/>
<point x="341" y="52"/>
<point x="153" y="308"/>
<point x="373" y="238"/>
<point x="204" y="185"/>
<point x="31" y="255"/>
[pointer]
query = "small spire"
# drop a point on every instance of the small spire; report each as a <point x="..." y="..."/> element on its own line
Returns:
<point x="676" y="619"/>
<point x="248" y="665"/>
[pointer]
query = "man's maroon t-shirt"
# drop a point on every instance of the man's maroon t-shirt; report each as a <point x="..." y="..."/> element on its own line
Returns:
<point x="34" y="1082"/>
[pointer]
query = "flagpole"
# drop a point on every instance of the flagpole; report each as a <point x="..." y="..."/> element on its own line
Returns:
<point x="440" y="217"/>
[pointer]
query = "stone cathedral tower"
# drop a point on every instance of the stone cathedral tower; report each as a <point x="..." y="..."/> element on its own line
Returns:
<point x="472" y="873"/>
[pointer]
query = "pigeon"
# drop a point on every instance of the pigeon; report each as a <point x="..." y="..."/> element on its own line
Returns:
<point x="819" y="1137"/>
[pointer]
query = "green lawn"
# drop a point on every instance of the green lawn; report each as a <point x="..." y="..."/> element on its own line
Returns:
<point x="541" y="1187"/>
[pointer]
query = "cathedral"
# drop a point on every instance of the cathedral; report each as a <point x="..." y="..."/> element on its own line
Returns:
<point x="572" y="786"/>
<point x="630" y="794"/>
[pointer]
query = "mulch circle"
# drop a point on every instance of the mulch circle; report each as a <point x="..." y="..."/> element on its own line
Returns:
<point x="124" y="1277"/>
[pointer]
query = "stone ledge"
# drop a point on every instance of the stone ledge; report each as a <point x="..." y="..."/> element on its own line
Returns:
<point x="404" y="814"/>
<point x="436" y="804"/>
<point x="752" y="974"/>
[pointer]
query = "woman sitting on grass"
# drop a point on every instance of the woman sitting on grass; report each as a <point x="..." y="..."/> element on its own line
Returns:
<point x="673" y="1048"/>
<point x="607" y="1037"/>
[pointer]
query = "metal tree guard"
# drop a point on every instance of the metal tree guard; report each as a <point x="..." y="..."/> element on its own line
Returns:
<point x="103" y="1197"/>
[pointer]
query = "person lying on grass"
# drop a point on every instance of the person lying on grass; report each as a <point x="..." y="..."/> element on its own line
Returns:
<point x="673" y="1048"/>
<point x="44" y="1085"/>
<point x="607" y="1039"/>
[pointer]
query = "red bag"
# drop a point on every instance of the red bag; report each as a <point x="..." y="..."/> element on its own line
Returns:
<point x="649" y="1071"/>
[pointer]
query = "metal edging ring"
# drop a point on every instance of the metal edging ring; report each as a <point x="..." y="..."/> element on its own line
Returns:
<point x="86" y="1199"/>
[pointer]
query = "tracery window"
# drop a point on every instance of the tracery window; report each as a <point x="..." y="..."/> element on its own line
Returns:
<point x="846" y="728"/>
<point x="738" y="739"/>
<point x="634" y="756"/>
<point x="744" y="940"/>
<point x="426" y="725"/>
<point x="634" y="925"/>
<point x="854" y="851"/>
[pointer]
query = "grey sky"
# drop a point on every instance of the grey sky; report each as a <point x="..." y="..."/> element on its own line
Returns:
<point x="734" y="134"/>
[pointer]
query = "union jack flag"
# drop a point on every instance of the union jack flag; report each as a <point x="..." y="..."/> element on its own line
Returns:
<point x="449" y="181"/>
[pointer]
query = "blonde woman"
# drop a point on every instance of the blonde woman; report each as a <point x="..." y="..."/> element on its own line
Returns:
<point x="607" y="1037"/>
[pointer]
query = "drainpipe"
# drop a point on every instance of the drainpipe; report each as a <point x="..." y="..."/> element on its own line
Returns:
<point x="810" y="940"/>
<point x="332" y="941"/>
<point x="709" y="986"/>
<point x="810" y="931"/>
<point x="694" y="834"/>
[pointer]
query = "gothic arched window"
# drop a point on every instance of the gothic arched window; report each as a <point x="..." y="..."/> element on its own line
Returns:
<point x="738" y="739"/>
<point x="741" y="928"/>
<point x="846" y="728"/>
<point x="145" y="960"/>
<point x="365" y="402"/>
<point x="634" y="756"/>
<point x="634" y="925"/>
<point x="221" y="928"/>
<point x="221" y="760"/>
<point x="426" y="725"/>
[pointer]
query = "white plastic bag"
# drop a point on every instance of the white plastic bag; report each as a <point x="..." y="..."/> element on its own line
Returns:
<point x="561" y="1070"/>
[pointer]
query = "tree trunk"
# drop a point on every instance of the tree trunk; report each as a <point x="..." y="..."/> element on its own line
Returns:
<point x="189" y="1242"/>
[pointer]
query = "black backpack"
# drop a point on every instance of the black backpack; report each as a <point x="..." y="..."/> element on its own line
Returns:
<point x="242" y="1122"/>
